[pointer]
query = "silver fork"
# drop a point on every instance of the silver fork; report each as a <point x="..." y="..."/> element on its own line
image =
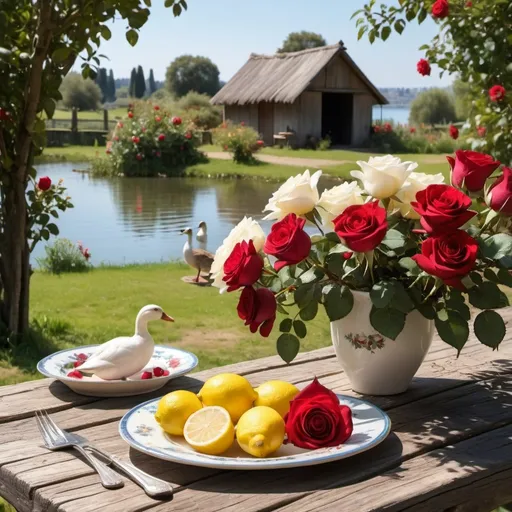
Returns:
<point x="56" y="439"/>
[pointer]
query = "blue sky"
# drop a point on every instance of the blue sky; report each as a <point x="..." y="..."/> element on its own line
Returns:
<point x="227" y="31"/>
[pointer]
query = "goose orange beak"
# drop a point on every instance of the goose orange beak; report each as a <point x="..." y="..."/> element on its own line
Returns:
<point x="167" y="318"/>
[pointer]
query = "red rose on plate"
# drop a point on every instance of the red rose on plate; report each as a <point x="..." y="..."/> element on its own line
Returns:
<point x="454" y="132"/>
<point x="362" y="227"/>
<point x="440" y="9"/>
<point x="423" y="67"/>
<point x="450" y="257"/>
<point x="44" y="183"/>
<point x="497" y="93"/>
<point x="243" y="266"/>
<point x="316" y="419"/>
<point x="288" y="241"/>
<point x="442" y="208"/>
<point x="471" y="169"/>
<point x="258" y="309"/>
<point x="499" y="196"/>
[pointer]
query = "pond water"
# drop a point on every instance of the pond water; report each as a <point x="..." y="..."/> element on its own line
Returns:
<point x="137" y="220"/>
<point x="390" y="113"/>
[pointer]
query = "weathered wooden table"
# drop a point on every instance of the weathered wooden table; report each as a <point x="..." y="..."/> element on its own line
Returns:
<point x="450" y="446"/>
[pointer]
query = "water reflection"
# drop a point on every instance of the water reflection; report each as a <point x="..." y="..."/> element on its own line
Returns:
<point x="139" y="219"/>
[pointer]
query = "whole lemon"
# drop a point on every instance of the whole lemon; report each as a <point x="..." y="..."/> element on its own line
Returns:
<point x="260" y="431"/>
<point x="230" y="391"/>
<point x="276" y="394"/>
<point x="174" y="409"/>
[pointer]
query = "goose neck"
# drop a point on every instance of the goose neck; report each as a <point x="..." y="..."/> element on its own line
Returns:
<point x="141" y="326"/>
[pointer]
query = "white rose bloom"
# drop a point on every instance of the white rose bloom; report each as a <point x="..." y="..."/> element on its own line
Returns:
<point x="334" y="200"/>
<point x="383" y="176"/>
<point x="413" y="184"/>
<point x="247" y="229"/>
<point x="299" y="195"/>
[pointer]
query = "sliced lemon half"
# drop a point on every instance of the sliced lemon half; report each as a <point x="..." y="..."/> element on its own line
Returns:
<point x="210" y="430"/>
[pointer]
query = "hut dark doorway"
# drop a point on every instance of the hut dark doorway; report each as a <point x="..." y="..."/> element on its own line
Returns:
<point x="266" y="122"/>
<point x="337" y="113"/>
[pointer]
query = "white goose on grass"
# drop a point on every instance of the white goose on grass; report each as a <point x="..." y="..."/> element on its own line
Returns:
<point x="125" y="356"/>
<point x="202" y="234"/>
<point x="198" y="259"/>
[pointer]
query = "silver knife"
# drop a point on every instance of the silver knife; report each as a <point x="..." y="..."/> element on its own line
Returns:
<point x="154" y="487"/>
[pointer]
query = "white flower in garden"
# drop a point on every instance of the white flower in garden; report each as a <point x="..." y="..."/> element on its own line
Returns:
<point x="334" y="200"/>
<point x="383" y="176"/>
<point x="247" y="229"/>
<point x="413" y="184"/>
<point x="299" y="195"/>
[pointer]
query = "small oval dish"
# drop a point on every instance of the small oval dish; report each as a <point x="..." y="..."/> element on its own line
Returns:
<point x="172" y="361"/>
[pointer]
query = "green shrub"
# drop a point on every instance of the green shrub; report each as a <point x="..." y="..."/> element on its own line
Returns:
<point x="65" y="256"/>
<point x="324" y="144"/>
<point x="80" y="93"/>
<point x="433" y="106"/>
<point x="198" y="109"/>
<point x="150" y="142"/>
<point x="239" y="140"/>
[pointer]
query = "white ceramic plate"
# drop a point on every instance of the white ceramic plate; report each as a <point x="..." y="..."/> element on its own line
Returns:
<point x="59" y="364"/>
<point x="139" y="429"/>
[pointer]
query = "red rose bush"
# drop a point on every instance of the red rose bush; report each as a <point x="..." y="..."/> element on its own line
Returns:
<point x="409" y="240"/>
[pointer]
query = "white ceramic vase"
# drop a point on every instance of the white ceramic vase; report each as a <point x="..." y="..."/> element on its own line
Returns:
<point x="376" y="365"/>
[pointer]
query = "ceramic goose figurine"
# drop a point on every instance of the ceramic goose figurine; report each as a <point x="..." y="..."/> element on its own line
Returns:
<point x="202" y="235"/>
<point x="124" y="356"/>
<point x="199" y="259"/>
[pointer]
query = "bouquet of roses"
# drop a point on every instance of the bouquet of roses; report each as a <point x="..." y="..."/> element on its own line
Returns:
<point x="407" y="238"/>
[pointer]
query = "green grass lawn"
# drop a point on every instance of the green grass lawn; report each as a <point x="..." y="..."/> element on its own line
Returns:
<point x="79" y="309"/>
<point x="115" y="113"/>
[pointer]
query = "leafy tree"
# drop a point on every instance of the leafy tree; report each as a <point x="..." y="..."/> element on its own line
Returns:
<point x="101" y="81"/>
<point x="111" y="87"/>
<point x="473" y="43"/>
<point x="464" y="96"/>
<point x="199" y="110"/>
<point x="433" y="106"/>
<point x="140" y="83"/>
<point x="40" y="41"/>
<point x="151" y="82"/>
<point x="189" y="73"/>
<point x="133" y="80"/>
<point x="297" y="41"/>
<point x="79" y="92"/>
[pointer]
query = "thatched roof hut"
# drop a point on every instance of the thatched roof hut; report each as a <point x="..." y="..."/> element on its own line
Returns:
<point x="317" y="93"/>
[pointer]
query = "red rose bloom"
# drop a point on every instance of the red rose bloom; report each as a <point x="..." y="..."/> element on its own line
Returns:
<point x="412" y="129"/>
<point x="243" y="266"/>
<point x="242" y="123"/>
<point x="423" y="67"/>
<point x="120" y="125"/>
<point x="442" y="208"/>
<point x="317" y="420"/>
<point x="469" y="3"/>
<point x="138" y="156"/>
<point x="156" y="107"/>
<point x="388" y="128"/>
<point x="288" y="241"/>
<point x="176" y="121"/>
<point x="482" y="130"/>
<point x="454" y="132"/>
<point x="130" y="114"/>
<point x="470" y="169"/>
<point x="376" y="128"/>
<point x="362" y="227"/>
<point x="188" y="135"/>
<point x="440" y="9"/>
<point x="158" y="154"/>
<point x="450" y="257"/>
<point x="497" y="93"/>
<point x="158" y="119"/>
<point x="44" y="183"/>
<point x="260" y="142"/>
<point x="161" y="137"/>
<point x="135" y="139"/>
<point x="258" y="309"/>
<point x="500" y="193"/>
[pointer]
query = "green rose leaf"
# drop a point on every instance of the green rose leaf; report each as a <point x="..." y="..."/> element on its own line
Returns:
<point x="132" y="37"/>
<point x="304" y="295"/>
<point x="409" y="264"/>
<point x="332" y="237"/>
<point x="53" y="229"/>
<point x="288" y="347"/>
<point x="454" y="330"/>
<point x="401" y="299"/>
<point x="338" y="301"/>
<point x="498" y="248"/>
<point x="388" y="321"/>
<point x="505" y="277"/>
<point x="457" y="303"/>
<point x="382" y="293"/>
<point x="476" y="277"/>
<point x="285" y="325"/>
<point x="300" y="328"/>
<point x="485" y="296"/>
<point x="490" y="328"/>
<point x="394" y="239"/>
<point x="490" y="275"/>
<point x="311" y="275"/>
<point x="309" y="312"/>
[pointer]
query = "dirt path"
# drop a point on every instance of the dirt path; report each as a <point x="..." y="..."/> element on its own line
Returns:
<point x="316" y="163"/>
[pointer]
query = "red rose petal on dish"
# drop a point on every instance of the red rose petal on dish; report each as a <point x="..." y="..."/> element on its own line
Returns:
<point x="75" y="374"/>
<point x="158" y="372"/>
<point x="146" y="375"/>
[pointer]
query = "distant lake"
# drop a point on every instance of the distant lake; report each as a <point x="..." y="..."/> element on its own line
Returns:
<point x="138" y="220"/>
<point x="396" y="114"/>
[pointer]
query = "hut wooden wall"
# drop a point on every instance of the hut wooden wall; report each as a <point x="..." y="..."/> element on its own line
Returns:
<point x="310" y="116"/>
<point x="362" y="119"/>
<point x="246" y="113"/>
<point x="337" y="75"/>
